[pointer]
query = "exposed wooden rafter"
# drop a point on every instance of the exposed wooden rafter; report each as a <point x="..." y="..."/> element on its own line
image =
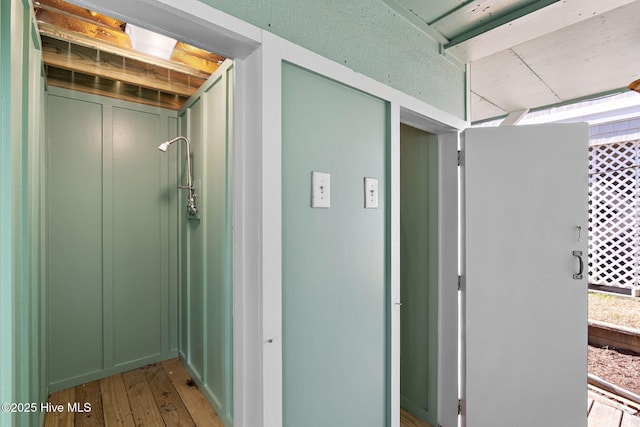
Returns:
<point x="196" y="58"/>
<point x="72" y="24"/>
<point x="82" y="40"/>
<point x="74" y="80"/>
<point x="80" y="13"/>
<point x="87" y="51"/>
<point x="90" y="61"/>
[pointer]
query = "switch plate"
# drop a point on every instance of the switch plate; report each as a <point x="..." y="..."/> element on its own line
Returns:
<point x="371" y="193"/>
<point x="320" y="190"/>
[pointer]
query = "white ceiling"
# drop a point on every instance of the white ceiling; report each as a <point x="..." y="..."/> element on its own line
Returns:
<point x="527" y="54"/>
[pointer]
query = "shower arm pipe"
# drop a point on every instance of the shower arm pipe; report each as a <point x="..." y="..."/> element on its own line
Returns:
<point x="189" y="171"/>
<point x="192" y="209"/>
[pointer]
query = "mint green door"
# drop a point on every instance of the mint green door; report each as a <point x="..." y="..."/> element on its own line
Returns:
<point x="334" y="261"/>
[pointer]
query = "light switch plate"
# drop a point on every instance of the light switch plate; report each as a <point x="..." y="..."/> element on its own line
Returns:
<point x="320" y="190"/>
<point x="371" y="193"/>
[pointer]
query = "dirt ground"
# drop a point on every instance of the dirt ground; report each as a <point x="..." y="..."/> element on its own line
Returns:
<point x="617" y="368"/>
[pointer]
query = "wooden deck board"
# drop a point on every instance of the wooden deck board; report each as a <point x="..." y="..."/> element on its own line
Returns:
<point x="602" y="415"/>
<point x="629" y="420"/>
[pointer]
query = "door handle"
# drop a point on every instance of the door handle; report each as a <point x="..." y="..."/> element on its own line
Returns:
<point x="579" y="274"/>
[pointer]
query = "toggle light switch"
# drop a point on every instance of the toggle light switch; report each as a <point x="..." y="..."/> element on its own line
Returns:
<point x="320" y="190"/>
<point x="371" y="193"/>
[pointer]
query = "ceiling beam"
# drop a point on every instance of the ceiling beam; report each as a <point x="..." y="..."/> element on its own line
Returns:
<point x="52" y="31"/>
<point x="513" y="30"/>
<point x="203" y="64"/>
<point x="416" y="21"/>
<point x="65" y="55"/>
<point x="514" y="117"/>
<point x="84" y="28"/>
<point x="450" y="12"/>
<point x="200" y="53"/>
<point x="500" y="21"/>
<point x="79" y="13"/>
<point x="113" y="89"/>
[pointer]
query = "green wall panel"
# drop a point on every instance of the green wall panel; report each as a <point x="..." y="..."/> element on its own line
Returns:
<point x="215" y="217"/>
<point x="75" y="238"/>
<point x="170" y="197"/>
<point x="207" y="342"/>
<point x="137" y="232"/>
<point x="196" y="260"/>
<point x="218" y="244"/>
<point x="418" y="272"/>
<point x="367" y="36"/>
<point x="21" y="212"/>
<point x="335" y="343"/>
<point x="183" y="266"/>
<point x="112" y="209"/>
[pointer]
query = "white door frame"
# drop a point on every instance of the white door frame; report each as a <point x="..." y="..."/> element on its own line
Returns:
<point x="448" y="344"/>
<point x="257" y="200"/>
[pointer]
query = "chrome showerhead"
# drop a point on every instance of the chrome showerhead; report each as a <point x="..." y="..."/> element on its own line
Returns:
<point x="164" y="146"/>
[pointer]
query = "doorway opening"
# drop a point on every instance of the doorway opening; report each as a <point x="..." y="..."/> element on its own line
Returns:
<point x="132" y="278"/>
<point x="418" y="274"/>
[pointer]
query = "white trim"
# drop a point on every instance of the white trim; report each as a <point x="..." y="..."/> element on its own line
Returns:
<point x="394" y="258"/>
<point x="235" y="38"/>
<point x="207" y="28"/>
<point x="448" y="279"/>
<point x="247" y="336"/>
<point x="271" y="230"/>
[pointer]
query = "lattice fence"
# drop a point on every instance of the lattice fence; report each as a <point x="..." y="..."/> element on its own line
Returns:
<point x="614" y="214"/>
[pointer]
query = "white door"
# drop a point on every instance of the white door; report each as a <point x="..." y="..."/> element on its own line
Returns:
<point x="524" y="213"/>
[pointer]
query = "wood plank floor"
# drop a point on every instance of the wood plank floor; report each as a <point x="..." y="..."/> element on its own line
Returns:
<point x="163" y="394"/>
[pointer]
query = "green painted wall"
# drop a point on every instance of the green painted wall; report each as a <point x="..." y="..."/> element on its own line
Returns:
<point x="22" y="365"/>
<point x="335" y="262"/>
<point x="419" y="273"/>
<point x="75" y="238"/>
<point x="367" y="36"/>
<point x="112" y="212"/>
<point x="206" y="286"/>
